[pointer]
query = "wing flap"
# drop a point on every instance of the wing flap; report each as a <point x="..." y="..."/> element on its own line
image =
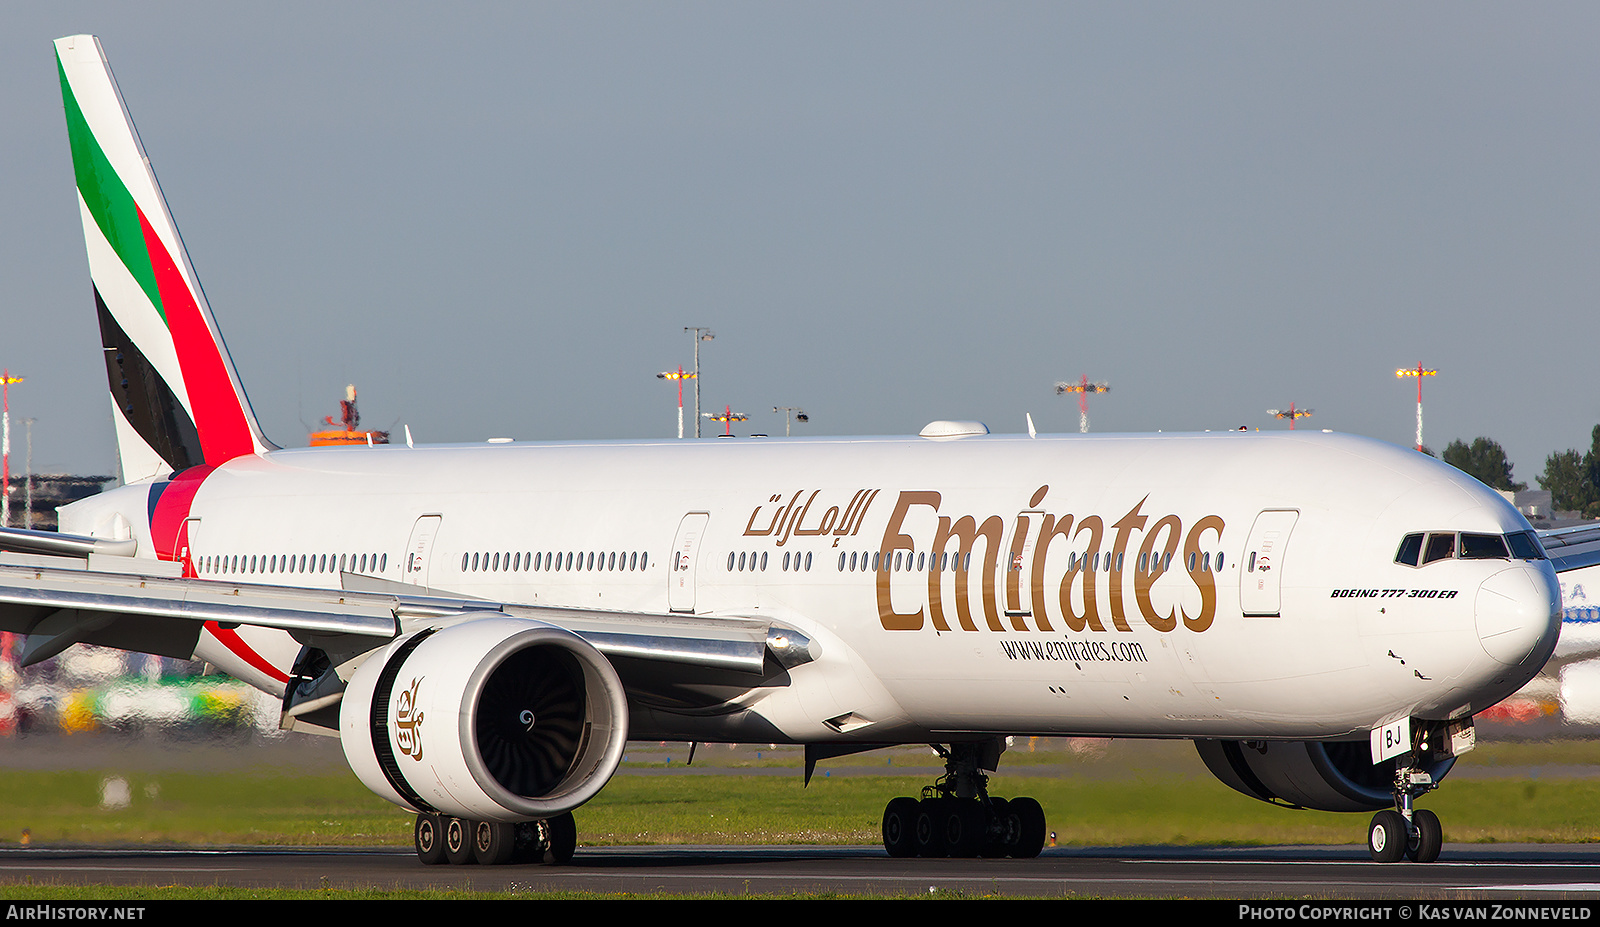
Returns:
<point x="58" y="601"/>
<point x="26" y="589"/>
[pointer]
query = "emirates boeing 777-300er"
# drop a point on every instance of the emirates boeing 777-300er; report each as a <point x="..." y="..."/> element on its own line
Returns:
<point x="484" y="626"/>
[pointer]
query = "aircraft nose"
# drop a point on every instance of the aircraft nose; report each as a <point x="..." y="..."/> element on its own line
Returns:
<point x="1518" y="613"/>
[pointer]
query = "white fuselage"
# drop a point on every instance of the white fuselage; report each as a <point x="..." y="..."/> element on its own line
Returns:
<point x="1212" y="585"/>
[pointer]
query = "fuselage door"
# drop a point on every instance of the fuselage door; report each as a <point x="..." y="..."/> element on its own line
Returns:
<point x="1261" y="576"/>
<point x="1019" y="564"/>
<point x="184" y="553"/>
<point x="419" y="550"/>
<point x="685" y="559"/>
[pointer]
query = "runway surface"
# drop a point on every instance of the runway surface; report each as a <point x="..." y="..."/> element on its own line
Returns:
<point x="1528" y="872"/>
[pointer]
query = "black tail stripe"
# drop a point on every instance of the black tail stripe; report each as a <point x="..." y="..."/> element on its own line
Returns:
<point x="146" y="401"/>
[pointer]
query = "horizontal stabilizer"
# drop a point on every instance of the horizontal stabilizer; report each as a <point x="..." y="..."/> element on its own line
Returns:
<point x="29" y="541"/>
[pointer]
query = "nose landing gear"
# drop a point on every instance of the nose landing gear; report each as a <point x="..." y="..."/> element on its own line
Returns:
<point x="1406" y="833"/>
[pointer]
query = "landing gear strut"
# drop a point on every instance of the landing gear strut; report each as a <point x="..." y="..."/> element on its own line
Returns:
<point x="443" y="839"/>
<point x="957" y="817"/>
<point x="1407" y="832"/>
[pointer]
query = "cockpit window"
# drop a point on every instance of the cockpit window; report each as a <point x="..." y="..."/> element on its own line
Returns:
<point x="1525" y="546"/>
<point x="1483" y="547"/>
<point x="1422" y="549"/>
<point x="1440" y="547"/>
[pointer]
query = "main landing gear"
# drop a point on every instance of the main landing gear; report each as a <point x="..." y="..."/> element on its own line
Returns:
<point x="442" y="839"/>
<point x="1406" y="833"/>
<point x="956" y="817"/>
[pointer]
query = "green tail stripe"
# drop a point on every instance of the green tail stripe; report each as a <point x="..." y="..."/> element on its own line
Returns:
<point x="107" y="197"/>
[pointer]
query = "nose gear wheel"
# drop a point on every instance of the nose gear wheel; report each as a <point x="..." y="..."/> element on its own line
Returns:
<point x="1406" y="832"/>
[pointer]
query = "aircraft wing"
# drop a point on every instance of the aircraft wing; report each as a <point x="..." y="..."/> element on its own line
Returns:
<point x="125" y="603"/>
<point x="1575" y="551"/>
<point x="61" y="601"/>
<point x="1572" y="548"/>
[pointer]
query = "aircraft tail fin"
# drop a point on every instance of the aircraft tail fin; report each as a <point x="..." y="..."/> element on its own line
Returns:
<point x="176" y="398"/>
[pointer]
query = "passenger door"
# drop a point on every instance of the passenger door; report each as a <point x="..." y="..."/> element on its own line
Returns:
<point x="419" y="550"/>
<point x="1261" y="576"/>
<point x="1018" y="566"/>
<point x="185" y="546"/>
<point x="685" y="561"/>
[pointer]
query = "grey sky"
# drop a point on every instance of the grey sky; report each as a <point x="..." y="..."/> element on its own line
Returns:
<point x="496" y="219"/>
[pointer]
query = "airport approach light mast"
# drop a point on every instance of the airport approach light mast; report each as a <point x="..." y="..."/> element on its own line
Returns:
<point x="1290" y="413"/>
<point x="680" y="376"/>
<point x="1419" y="372"/>
<point x="1083" y="388"/>
<point x="728" y="417"/>
<point x="795" y="411"/>
<point x="700" y="334"/>
<point x="27" y="517"/>
<point x="345" y="432"/>
<point x="6" y="379"/>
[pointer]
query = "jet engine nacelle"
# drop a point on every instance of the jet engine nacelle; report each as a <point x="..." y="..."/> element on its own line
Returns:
<point x="1338" y="776"/>
<point x="493" y="719"/>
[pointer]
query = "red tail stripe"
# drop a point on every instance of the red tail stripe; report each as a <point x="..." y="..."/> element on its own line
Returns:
<point x="218" y="409"/>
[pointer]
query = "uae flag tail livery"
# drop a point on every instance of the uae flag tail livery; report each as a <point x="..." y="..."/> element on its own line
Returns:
<point x="176" y="398"/>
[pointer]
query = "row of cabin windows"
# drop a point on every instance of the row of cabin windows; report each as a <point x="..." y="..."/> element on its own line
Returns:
<point x="234" y="564"/>
<point x="793" y="561"/>
<point x="921" y="561"/>
<point x="1440" y="546"/>
<point x="553" y="561"/>
<point x="1422" y="549"/>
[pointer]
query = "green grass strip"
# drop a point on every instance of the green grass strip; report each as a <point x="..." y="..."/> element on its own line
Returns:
<point x="272" y="808"/>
